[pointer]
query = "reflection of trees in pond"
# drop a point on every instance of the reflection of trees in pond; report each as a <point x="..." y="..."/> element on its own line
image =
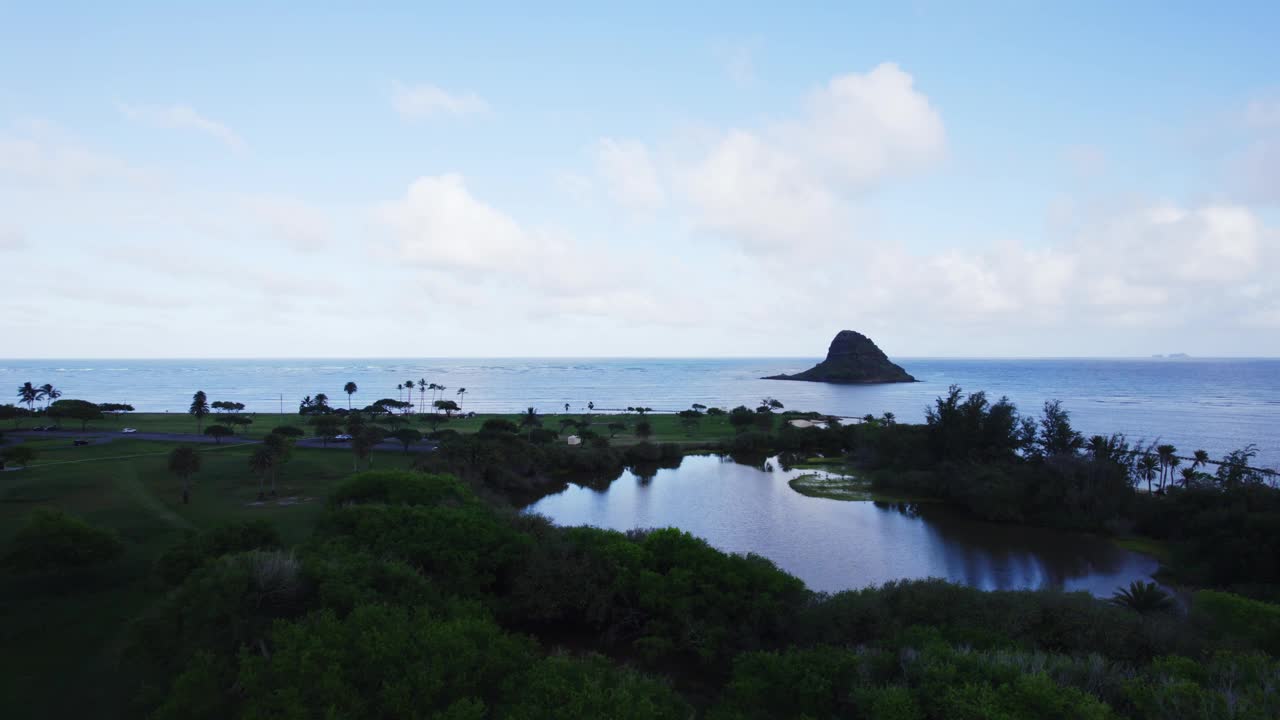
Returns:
<point x="910" y="509"/>
<point x="995" y="556"/>
<point x="788" y="460"/>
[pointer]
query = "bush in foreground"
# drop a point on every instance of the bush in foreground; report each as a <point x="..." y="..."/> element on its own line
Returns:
<point x="53" y="540"/>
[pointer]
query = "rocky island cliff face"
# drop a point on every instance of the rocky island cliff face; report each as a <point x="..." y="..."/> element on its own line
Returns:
<point x="852" y="359"/>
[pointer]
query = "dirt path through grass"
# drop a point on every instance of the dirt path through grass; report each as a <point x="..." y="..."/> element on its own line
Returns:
<point x="127" y="480"/>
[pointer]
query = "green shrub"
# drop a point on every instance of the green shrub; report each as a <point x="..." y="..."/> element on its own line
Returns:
<point x="221" y="607"/>
<point x="465" y="548"/>
<point x="382" y="661"/>
<point x="1251" y="622"/>
<point x="197" y="549"/>
<point x="562" y="688"/>
<point x="398" y="487"/>
<point x="53" y="540"/>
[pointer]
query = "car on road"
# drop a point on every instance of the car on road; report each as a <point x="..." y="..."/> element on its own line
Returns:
<point x="129" y="430"/>
<point x="342" y="438"/>
<point x="38" y="428"/>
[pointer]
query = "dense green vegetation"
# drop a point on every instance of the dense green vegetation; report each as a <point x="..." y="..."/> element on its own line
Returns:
<point x="416" y="591"/>
<point x="415" y="598"/>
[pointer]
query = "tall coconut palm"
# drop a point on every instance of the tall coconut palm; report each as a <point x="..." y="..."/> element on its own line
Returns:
<point x="49" y="393"/>
<point x="440" y="389"/>
<point x="28" y="394"/>
<point x="280" y="447"/>
<point x="322" y="402"/>
<point x="422" y="394"/>
<point x="261" y="461"/>
<point x="461" y="392"/>
<point x="1165" y="455"/>
<point x="530" y="420"/>
<point x="184" y="462"/>
<point x="400" y="392"/>
<point x="1199" y="459"/>
<point x="1147" y="467"/>
<point x="350" y="389"/>
<point x="1174" y="462"/>
<point x="1189" y="476"/>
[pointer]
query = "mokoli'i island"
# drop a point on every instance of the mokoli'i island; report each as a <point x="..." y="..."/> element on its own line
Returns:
<point x="852" y="358"/>
<point x="404" y="361"/>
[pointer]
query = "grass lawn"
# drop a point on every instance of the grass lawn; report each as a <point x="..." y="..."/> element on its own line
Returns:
<point x="666" y="428"/>
<point x="62" y="637"/>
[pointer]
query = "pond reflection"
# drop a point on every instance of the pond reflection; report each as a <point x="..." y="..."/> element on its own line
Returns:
<point x="834" y="545"/>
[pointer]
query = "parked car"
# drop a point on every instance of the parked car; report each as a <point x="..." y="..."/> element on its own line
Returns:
<point x="79" y="443"/>
<point x="344" y="437"/>
<point x="38" y="428"/>
<point x="129" y="430"/>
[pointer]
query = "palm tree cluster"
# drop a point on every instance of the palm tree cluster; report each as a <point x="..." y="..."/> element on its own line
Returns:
<point x="30" y="394"/>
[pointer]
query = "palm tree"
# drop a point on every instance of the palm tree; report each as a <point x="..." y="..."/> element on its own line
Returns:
<point x="591" y="406"/>
<point x="408" y="386"/>
<point x="441" y="388"/>
<point x="1146" y="469"/>
<point x="460" y="393"/>
<point x="1143" y="597"/>
<point x="279" y="445"/>
<point x="1200" y="458"/>
<point x="1174" y="462"/>
<point x="184" y="462"/>
<point x="261" y="461"/>
<point x="28" y="394"/>
<point x="566" y="407"/>
<point x="1189" y="476"/>
<point x="322" y="402"/>
<point x="199" y="408"/>
<point x="1165" y="454"/>
<point x="49" y="393"/>
<point x="530" y="420"/>
<point x="350" y="389"/>
<point x="422" y="394"/>
<point x="400" y="392"/>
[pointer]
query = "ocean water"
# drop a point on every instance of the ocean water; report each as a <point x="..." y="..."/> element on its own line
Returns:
<point x="1214" y="404"/>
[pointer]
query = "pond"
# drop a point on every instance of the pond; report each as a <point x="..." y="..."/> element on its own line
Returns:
<point x="835" y="545"/>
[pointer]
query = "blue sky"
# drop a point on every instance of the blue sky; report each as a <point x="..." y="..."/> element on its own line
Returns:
<point x="992" y="179"/>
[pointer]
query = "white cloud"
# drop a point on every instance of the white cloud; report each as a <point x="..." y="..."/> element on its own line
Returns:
<point x="759" y="195"/>
<point x="36" y="153"/>
<point x="182" y="117"/>
<point x="424" y="101"/>
<point x="867" y="126"/>
<point x="1154" y="265"/>
<point x="630" y="174"/>
<point x="792" y="184"/>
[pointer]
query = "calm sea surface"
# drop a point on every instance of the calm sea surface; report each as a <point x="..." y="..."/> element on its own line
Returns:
<point x="1217" y="405"/>
<point x="834" y="545"/>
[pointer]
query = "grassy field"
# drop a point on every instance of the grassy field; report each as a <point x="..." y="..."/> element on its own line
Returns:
<point x="666" y="428"/>
<point x="62" y="638"/>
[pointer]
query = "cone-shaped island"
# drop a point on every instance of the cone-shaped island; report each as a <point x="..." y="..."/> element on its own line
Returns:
<point x="854" y="360"/>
